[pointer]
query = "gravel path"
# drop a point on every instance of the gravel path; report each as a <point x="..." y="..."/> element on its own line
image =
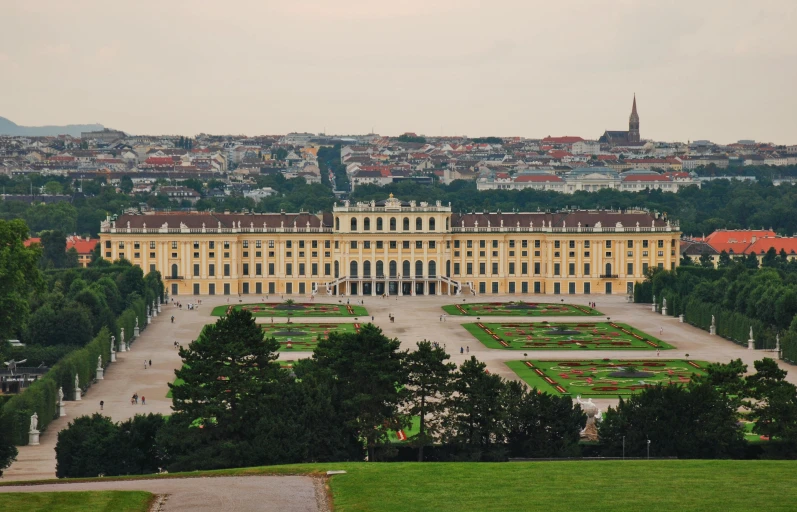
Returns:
<point x="228" y="494"/>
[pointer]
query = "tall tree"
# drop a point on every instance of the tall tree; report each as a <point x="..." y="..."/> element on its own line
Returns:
<point x="476" y="414"/>
<point x="428" y="384"/>
<point x="19" y="276"/>
<point x="540" y="424"/>
<point x="226" y="372"/>
<point x="775" y="405"/>
<point x="53" y="249"/>
<point x="369" y="369"/>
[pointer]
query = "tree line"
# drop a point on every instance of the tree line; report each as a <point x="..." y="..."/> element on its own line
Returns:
<point x="738" y="295"/>
<point x="236" y="406"/>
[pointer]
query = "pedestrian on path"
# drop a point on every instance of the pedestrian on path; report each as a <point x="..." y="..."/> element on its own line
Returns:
<point x="145" y="364"/>
<point x="172" y="318"/>
<point x="661" y="330"/>
<point x="150" y="363"/>
<point x="143" y="400"/>
<point x="657" y="352"/>
<point x="468" y="349"/>
<point x="102" y="404"/>
<point x="461" y="350"/>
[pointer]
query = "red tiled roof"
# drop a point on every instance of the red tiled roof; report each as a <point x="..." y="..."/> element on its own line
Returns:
<point x="31" y="241"/>
<point x="762" y="245"/>
<point x="562" y="140"/>
<point x="736" y="241"/>
<point x="646" y="177"/>
<point x="81" y="245"/>
<point x="538" y="178"/>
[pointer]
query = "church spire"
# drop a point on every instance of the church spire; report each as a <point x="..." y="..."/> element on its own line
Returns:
<point x="633" y="124"/>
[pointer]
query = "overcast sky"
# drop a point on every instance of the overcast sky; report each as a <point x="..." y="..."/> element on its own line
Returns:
<point x="701" y="69"/>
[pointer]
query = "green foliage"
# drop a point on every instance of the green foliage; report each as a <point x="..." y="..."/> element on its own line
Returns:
<point x="19" y="276"/>
<point x="428" y="384"/>
<point x="408" y="137"/>
<point x="692" y="422"/>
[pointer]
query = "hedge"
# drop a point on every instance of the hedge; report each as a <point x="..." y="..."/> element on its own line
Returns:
<point x="42" y="395"/>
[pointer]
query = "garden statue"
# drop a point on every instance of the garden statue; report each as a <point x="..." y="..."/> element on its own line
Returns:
<point x="77" y="382"/>
<point x="136" y="322"/>
<point x="664" y="303"/>
<point x="713" y="321"/>
<point x="751" y="332"/>
<point x="99" y="361"/>
<point x="60" y="395"/>
<point x="590" y="432"/>
<point x="34" y="422"/>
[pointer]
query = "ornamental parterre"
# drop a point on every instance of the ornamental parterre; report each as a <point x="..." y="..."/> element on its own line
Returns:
<point x="563" y="336"/>
<point x="519" y="309"/>
<point x="607" y="378"/>
<point x="278" y="309"/>
<point x="303" y="337"/>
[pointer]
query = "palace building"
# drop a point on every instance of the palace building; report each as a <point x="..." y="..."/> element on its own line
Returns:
<point x="395" y="247"/>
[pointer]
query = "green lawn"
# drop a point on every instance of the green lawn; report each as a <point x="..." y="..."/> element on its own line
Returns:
<point x="299" y="309"/>
<point x="304" y="337"/>
<point x="562" y="486"/>
<point x="592" y="377"/>
<point x="519" y="309"/>
<point x="76" y="501"/>
<point x="571" y="336"/>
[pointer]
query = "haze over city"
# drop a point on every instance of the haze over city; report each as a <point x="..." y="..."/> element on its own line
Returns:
<point x="710" y="70"/>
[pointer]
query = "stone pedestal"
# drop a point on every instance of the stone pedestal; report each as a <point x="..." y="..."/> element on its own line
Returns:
<point x="61" y="409"/>
<point x="653" y="307"/>
<point x="78" y="395"/>
<point x="712" y="330"/>
<point x="664" y="311"/>
<point x="100" y="373"/>
<point x="149" y="319"/>
<point x="136" y="332"/>
<point x="159" y="305"/>
<point x="750" y="344"/>
<point x="122" y="347"/>
<point x="128" y="346"/>
<point x="113" y="357"/>
<point x="681" y="318"/>
<point x="33" y="438"/>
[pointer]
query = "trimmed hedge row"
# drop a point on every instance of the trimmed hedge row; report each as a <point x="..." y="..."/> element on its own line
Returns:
<point x="42" y="396"/>
<point x="730" y="325"/>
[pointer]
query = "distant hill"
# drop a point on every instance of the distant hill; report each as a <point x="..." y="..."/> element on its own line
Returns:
<point x="10" y="128"/>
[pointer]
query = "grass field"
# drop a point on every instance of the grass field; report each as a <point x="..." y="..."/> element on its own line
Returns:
<point x="79" y="501"/>
<point x="275" y="309"/>
<point x="304" y="337"/>
<point x="593" y="377"/>
<point x="519" y="309"/>
<point x="562" y="486"/>
<point x="563" y="336"/>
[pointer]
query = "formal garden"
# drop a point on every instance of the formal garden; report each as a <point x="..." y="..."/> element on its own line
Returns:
<point x="301" y="336"/>
<point x="605" y="378"/>
<point x="563" y="336"/>
<point x="290" y="308"/>
<point x="519" y="308"/>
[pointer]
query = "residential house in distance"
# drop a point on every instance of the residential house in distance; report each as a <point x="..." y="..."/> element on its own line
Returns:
<point x="180" y="193"/>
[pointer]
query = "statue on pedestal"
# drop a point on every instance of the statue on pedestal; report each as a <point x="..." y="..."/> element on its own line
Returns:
<point x="34" y="422"/>
<point x="590" y="432"/>
<point x="713" y="321"/>
<point x="60" y="395"/>
<point x="99" y="362"/>
<point x="77" y="382"/>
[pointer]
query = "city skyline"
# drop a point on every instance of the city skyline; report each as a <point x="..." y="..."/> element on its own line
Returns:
<point x="718" y="71"/>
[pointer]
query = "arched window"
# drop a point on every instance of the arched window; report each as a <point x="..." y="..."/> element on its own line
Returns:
<point x="432" y="268"/>
<point x="353" y="224"/>
<point x="419" y="224"/>
<point x="174" y="271"/>
<point x="608" y="269"/>
<point x="337" y="223"/>
<point x="431" y="224"/>
<point x="392" y="268"/>
<point x="418" y="268"/>
<point x="405" y="268"/>
<point x="406" y="224"/>
<point x="366" y="269"/>
<point x="337" y="269"/>
<point x="392" y="223"/>
<point x="448" y="268"/>
<point x="353" y="269"/>
<point x="380" y="268"/>
<point x="379" y="223"/>
<point x="367" y="224"/>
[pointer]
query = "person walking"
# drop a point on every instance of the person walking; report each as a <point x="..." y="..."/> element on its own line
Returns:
<point x="468" y="349"/>
<point x="102" y="404"/>
<point x="143" y="400"/>
<point x="172" y="318"/>
<point x="150" y="363"/>
<point x="461" y="350"/>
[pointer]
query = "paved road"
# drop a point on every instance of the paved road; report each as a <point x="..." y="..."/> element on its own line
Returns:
<point x="228" y="494"/>
<point x="417" y="318"/>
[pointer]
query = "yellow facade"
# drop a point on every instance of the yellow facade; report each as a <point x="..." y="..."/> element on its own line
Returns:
<point x="395" y="248"/>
